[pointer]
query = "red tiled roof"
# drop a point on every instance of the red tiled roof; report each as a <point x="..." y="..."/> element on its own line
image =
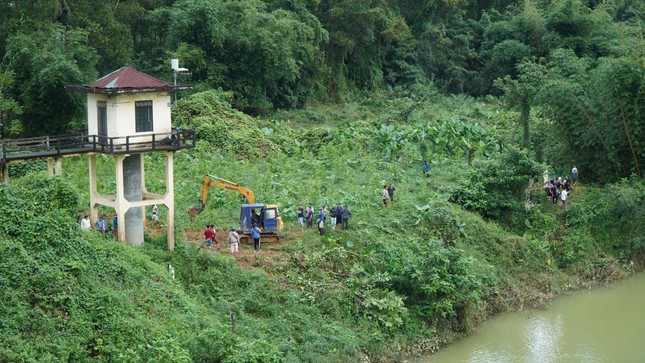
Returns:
<point x="127" y="77"/>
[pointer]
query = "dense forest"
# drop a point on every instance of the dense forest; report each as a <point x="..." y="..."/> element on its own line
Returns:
<point x="574" y="69"/>
<point x="324" y="102"/>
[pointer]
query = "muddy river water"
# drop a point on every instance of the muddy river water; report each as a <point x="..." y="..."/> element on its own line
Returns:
<point x="599" y="325"/>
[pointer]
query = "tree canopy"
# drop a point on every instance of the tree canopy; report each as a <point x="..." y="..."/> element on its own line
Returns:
<point x="275" y="54"/>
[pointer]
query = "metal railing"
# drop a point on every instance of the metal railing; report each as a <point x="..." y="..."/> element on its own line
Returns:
<point x="61" y="145"/>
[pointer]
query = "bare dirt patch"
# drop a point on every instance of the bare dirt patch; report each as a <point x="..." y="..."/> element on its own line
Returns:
<point x="270" y="255"/>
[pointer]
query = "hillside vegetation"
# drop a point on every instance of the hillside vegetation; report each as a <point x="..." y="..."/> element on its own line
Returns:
<point x="452" y="249"/>
<point x="325" y="102"/>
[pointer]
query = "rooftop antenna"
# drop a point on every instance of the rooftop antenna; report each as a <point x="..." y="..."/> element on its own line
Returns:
<point x="176" y="72"/>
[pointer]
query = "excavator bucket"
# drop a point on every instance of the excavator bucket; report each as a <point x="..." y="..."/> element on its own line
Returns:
<point x="194" y="211"/>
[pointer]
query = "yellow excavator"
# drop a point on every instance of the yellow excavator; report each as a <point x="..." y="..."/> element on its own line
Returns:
<point x="267" y="217"/>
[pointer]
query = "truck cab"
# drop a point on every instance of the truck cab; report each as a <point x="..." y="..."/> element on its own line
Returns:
<point x="266" y="216"/>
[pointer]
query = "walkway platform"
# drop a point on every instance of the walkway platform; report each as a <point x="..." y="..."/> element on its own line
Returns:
<point x="17" y="150"/>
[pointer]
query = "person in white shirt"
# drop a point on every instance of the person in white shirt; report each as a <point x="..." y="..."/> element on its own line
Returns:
<point x="155" y="213"/>
<point x="233" y="240"/>
<point x="386" y="196"/>
<point x="563" y="197"/>
<point x="85" y="223"/>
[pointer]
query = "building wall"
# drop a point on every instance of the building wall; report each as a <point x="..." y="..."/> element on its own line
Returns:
<point x="121" y="115"/>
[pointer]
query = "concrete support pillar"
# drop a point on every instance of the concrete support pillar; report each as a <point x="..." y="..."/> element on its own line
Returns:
<point x="5" y="173"/>
<point x="170" y="200"/>
<point x="133" y="192"/>
<point x="50" y="166"/>
<point x="94" y="207"/>
<point x="131" y="197"/>
<point x="144" y="191"/>
<point x="55" y="166"/>
<point x="120" y="204"/>
<point x="58" y="166"/>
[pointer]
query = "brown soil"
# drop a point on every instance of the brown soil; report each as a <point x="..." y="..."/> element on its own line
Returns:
<point x="270" y="255"/>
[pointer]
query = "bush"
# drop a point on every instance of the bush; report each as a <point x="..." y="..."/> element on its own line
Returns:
<point x="614" y="217"/>
<point x="439" y="282"/>
<point x="496" y="187"/>
<point x="219" y="125"/>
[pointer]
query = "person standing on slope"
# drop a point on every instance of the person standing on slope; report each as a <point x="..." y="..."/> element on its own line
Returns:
<point x="563" y="196"/>
<point x="115" y="226"/>
<point x="310" y="216"/>
<point x="85" y="223"/>
<point x="346" y="215"/>
<point x="214" y="238"/>
<point x="234" y="240"/>
<point x="386" y="196"/>
<point x="155" y="213"/>
<point x="333" y="213"/>
<point x="255" y="233"/>
<point x="208" y="235"/>
<point x="301" y="217"/>
<point x="321" y="221"/>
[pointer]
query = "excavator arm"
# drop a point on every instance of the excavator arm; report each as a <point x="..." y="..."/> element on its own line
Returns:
<point x="210" y="181"/>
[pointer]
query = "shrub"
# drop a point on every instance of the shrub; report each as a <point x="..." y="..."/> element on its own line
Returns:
<point x="438" y="281"/>
<point x="495" y="188"/>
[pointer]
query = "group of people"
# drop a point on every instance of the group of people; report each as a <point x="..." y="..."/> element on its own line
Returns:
<point x="338" y="214"/>
<point x="101" y="224"/>
<point x="556" y="188"/>
<point x="210" y="238"/>
<point x="388" y="193"/>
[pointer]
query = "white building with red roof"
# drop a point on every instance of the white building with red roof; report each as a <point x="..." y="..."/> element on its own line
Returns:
<point x="128" y="106"/>
<point x="129" y="115"/>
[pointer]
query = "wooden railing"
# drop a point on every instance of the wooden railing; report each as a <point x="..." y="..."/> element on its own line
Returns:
<point x="72" y="144"/>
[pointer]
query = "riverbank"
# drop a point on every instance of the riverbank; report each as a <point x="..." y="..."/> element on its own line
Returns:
<point x="583" y="249"/>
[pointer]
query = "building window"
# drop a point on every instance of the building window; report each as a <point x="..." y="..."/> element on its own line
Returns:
<point x="101" y="115"/>
<point x="143" y="116"/>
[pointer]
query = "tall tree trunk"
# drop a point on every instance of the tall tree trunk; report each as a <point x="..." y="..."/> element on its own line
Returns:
<point x="524" y="120"/>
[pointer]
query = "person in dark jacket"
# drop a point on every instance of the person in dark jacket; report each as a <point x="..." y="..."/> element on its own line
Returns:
<point x="301" y="217"/>
<point x="390" y="191"/>
<point x="310" y="216"/>
<point x="346" y="215"/>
